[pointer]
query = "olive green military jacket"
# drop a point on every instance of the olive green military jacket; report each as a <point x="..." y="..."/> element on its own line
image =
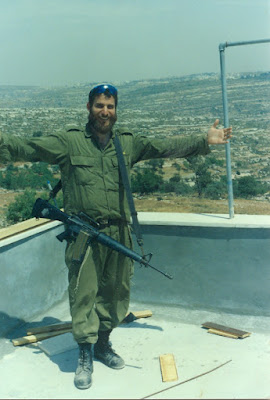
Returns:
<point x="90" y="175"/>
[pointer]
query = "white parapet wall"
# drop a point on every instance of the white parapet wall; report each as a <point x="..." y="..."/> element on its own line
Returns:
<point x="217" y="264"/>
<point x="33" y="271"/>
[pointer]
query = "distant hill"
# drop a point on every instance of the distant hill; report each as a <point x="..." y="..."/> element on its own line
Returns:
<point x="201" y="91"/>
<point x="158" y="107"/>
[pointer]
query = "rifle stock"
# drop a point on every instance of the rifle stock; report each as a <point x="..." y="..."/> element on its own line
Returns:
<point x="43" y="209"/>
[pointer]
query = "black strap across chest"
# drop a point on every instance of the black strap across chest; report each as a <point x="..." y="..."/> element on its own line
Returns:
<point x="125" y="180"/>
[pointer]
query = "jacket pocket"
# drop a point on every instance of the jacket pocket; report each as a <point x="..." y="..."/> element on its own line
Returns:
<point x="84" y="169"/>
<point x="116" y="168"/>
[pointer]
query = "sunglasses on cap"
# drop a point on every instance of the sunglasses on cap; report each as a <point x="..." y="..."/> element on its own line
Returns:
<point x="99" y="89"/>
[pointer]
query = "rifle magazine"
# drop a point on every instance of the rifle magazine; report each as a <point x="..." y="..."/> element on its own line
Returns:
<point x="80" y="247"/>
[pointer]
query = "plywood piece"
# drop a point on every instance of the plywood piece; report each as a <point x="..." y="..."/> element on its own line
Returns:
<point x="221" y="333"/>
<point x="168" y="368"/>
<point x="236" y="332"/>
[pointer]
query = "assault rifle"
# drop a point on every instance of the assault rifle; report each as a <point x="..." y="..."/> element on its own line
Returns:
<point x="76" y="229"/>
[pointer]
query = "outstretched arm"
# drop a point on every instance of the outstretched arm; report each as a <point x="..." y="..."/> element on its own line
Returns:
<point x="218" y="136"/>
<point x="51" y="148"/>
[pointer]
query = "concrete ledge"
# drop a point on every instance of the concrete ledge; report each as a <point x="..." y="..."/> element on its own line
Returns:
<point x="210" y="220"/>
<point x="25" y="230"/>
<point x="154" y="218"/>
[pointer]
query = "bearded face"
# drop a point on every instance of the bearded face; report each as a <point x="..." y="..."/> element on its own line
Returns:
<point x="102" y="114"/>
<point x="102" y="125"/>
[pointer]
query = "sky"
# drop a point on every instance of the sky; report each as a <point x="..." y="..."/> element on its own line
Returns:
<point x="66" y="42"/>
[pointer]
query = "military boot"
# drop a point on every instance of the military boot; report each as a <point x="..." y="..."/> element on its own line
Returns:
<point x="83" y="374"/>
<point x="104" y="352"/>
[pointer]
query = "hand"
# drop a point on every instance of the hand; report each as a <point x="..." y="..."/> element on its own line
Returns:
<point x="218" y="136"/>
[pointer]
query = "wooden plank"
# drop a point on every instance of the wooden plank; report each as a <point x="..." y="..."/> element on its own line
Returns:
<point x="222" y="333"/>
<point x="49" y="328"/>
<point x="223" y="328"/>
<point x="168" y="368"/>
<point x="35" y="338"/>
<point x="68" y="325"/>
<point x="22" y="227"/>
<point x="142" y="314"/>
<point x="133" y="315"/>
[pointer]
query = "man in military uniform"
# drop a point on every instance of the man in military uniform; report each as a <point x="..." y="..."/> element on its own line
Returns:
<point x="99" y="288"/>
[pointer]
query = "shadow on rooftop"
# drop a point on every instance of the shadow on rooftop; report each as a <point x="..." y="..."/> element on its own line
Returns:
<point x="13" y="327"/>
<point x="67" y="361"/>
<point x="144" y="325"/>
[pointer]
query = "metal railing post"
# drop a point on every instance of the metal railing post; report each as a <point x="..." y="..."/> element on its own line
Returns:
<point x="222" y="47"/>
<point x="226" y="124"/>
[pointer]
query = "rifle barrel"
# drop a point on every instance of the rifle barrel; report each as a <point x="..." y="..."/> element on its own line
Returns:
<point x="43" y="209"/>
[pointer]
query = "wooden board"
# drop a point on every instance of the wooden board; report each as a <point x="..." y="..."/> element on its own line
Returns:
<point x="22" y="227"/>
<point x="168" y="368"/>
<point x="222" y="328"/>
<point x="133" y="315"/>
<point x="142" y="314"/>
<point x="35" y="338"/>
<point x="221" y="333"/>
<point x="49" y="328"/>
<point x="68" y="325"/>
<point x="34" y="334"/>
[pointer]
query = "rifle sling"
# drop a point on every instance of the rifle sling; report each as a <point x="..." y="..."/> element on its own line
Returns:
<point x="125" y="180"/>
<point x="56" y="189"/>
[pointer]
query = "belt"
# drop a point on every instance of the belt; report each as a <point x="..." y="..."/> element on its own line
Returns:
<point x="105" y="223"/>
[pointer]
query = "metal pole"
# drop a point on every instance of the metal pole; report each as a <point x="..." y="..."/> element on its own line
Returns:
<point x="222" y="47"/>
<point x="228" y="44"/>
<point x="226" y="124"/>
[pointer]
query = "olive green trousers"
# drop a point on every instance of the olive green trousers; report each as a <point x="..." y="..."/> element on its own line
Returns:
<point x="99" y="288"/>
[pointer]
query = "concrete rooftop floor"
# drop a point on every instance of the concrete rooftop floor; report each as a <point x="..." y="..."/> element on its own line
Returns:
<point x="208" y="366"/>
<point x="46" y="370"/>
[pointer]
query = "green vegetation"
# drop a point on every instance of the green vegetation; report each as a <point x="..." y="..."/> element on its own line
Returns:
<point x="33" y="177"/>
<point x="146" y="181"/>
<point x="150" y="180"/>
<point x="20" y="210"/>
<point x="247" y="187"/>
<point x="30" y="179"/>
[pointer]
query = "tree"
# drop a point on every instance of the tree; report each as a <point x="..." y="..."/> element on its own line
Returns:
<point x="248" y="186"/>
<point x="215" y="190"/>
<point x="156" y="164"/>
<point x="145" y="181"/>
<point x="202" y="175"/>
<point x="182" y="188"/>
<point x="21" y="208"/>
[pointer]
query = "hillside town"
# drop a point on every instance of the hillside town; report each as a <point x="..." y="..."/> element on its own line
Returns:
<point x="160" y="108"/>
